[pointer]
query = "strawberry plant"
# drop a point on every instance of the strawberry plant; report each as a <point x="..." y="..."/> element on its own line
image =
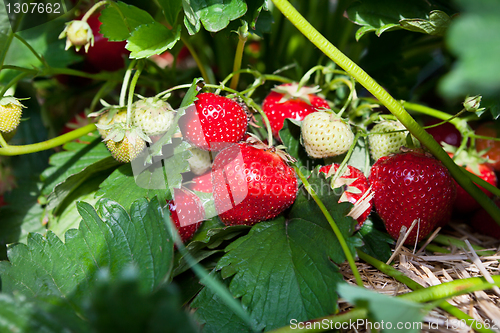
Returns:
<point x="223" y="166"/>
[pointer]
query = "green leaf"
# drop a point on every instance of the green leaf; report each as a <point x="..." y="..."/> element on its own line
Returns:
<point x="75" y="158"/>
<point x="42" y="314"/>
<point x="121" y="187"/>
<point x="207" y="241"/>
<point x="171" y="10"/>
<point x="290" y="136"/>
<point x="385" y="15"/>
<point x="214" y="314"/>
<point x="392" y="311"/>
<point x="119" y="24"/>
<point x="215" y="15"/>
<point x="107" y="238"/>
<point x="473" y="38"/>
<point x="306" y="208"/>
<point x="437" y="24"/>
<point x="279" y="273"/>
<point x="150" y="39"/>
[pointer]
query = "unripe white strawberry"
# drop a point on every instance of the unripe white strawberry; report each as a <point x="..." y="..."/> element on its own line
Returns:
<point x="78" y="33"/>
<point x="106" y="120"/>
<point x="385" y="144"/>
<point x="154" y="116"/>
<point x="128" y="148"/>
<point x="324" y="134"/>
<point x="10" y="113"/>
<point x="200" y="162"/>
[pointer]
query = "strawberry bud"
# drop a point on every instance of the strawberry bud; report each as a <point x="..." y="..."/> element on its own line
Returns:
<point x="78" y="33"/>
<point x="472" y="103"/>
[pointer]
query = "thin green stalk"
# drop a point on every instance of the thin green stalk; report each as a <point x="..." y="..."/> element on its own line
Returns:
<point x="451" y="289"/>
<point x="336" y="230"/>
<point x="133" y="83"/>
<point x="242" y="39"/>
<point x="12" y="82"/>
<point x="399" y="276"/>
<point x="45" y="145"/>
<point x="36" y="54"/>
<point x="217" y="287"/>
<point x="448" y="240"/>
<point x="3" y="143"/>
<point x="196" y="58"/>
<point x="389" y="102"/>
<point x="483" y="183"/>
<point x="346" y="317"/>
<point x="346" y="158"/>
<point x="126" y="80"/>
<point x="6" y="47"/>
<point x="94" y="8"/>
<point x="429" y="294"/>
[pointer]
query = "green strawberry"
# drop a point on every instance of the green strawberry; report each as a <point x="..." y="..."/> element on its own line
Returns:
<point x="10" y="113"/>
<point x="200" y="162"/>
<point x="385" y="144"/>
<point x="324" y="134"/>
<point x="152" y="115"/>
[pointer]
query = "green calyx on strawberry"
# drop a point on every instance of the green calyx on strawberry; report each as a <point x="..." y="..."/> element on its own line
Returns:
<point x="154" y="116"/>
<point x="10" y="113"/>
<point x="187" y="212"/>
<point x="290" y="101"/>
<point x="325" y="134"/>
<point x="390" y="143"/>
<point x="252" y="183"/>
<point x="356" y="190"/>
<point x="481" y="167"/>
<point x="78" y="33"/>
<point x="412" y="186"/>
<point x="125" y="142"/>
<point x="214" y="122"/>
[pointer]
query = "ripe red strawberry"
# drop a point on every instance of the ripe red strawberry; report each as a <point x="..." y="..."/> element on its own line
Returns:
<point x="201" y="183"/>
<point x="444" y="133"/>
<point x="251" y="184"/>
<point x="357" y="190"/>
<point x="214" y="122"/>
<point x="482" y="222"/>
<point x="465" y="203"/>
<point x="411" y="186"/>
<point x="186" y="212"/>
<point x="287" y="101"/>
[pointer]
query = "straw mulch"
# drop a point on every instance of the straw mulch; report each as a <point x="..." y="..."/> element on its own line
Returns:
<point x="428" y="268"/>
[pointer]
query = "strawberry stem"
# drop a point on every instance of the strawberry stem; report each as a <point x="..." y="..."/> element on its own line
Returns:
<point x="335" y="228"/>
<point x="45" y="145"/>
<point x="432" y="293"/>
<point x="99" y="4"/>
<point x="196" y="58"/>
<point x="206" y="279"/>
<point x="395" y="107"/>
<point x="242" y="38"/>
<point x="340" y="170"/>
<point x="133" y="83"/>
<point x="3" y="143"/>
<point x="126" y="80"/>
